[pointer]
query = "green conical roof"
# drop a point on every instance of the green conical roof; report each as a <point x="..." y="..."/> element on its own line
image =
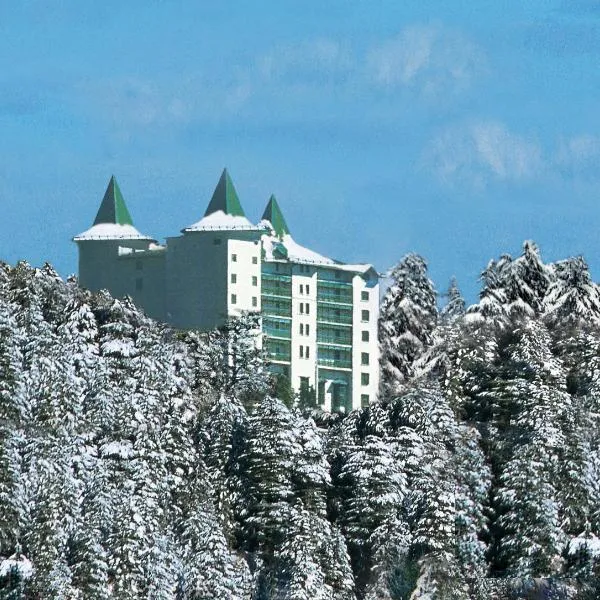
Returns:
<point x="113" y="208"/>
<point x="274" y="215"/>
<point x="225" y="198"/>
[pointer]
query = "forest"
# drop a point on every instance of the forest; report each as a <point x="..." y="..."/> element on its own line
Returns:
<point x="137" y="461"/>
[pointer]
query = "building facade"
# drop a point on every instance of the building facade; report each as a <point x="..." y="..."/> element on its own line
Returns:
<point x="318" y="316"/>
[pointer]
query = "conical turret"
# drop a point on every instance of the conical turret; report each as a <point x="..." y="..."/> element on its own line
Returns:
<point x="113" y="220"/>
<point x="274" y="216"/>
<point x="224" y="210"/>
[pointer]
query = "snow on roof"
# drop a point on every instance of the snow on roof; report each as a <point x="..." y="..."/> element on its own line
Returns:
<point x="300" y="254"/>
<point x="220" y="220"/>
<point x="111" y="231"/>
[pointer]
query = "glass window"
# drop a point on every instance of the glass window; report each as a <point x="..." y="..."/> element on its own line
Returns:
<point x="233" y="278"/>
<point x="233" y="299"/>
<point x="217" y="241"/>
<point x="307" y="329"/>
<point x="307" y="308"/>
<point x="301" y="329"/>
<point x="307" y="289"/>
<point x="234" y="258"/>
<point x="139" y="284"/>
<point x="255" y="260"/>
<point x="364" y="358"/>
<point x="364" y="379"/>
<point x="365" y="315"/>
<point x="254" y="301"/>
<point x="364" y="400"/>
<point x="301" y="308"/>
<point x="301" y="289"/>
<point x="365" y="336"/>
<point x="307" y="351"/>
<point x="254" y="280"/>
<point x="364" y="296"/>
<point x="301" y="351"/>
<point x="139" y="265"/>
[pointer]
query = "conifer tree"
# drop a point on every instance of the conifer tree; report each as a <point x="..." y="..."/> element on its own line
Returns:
<point x="407" y="319"/>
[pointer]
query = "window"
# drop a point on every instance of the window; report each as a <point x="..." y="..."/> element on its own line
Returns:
<point x="301" y="289"/>
<point x="233" y="299"/>
<point x="254" y="301"/>
<point x="301" y="329"/>
<point x="365" y="316"/>
<point x="307" y="308"/>
<point x="307" y="351"/>
<point x="307" y="289"/>
<point x="139" y="265"/>
<point x="307" y="329"/>
<point x="337" y="355"/>
<point x="364" y="400"/>
<point x="365" y="336"/>
<point x="364" y="358"/>
<point x="217" y="241"/>
<point x="234" y="258"/>
<point x="255" y="260"/>
<point x="364" y="379"/>
<point x="301" y="351"/>
<point x="301" y="308"/>
<point x="233" y="278"/>
<point x="364" y="296"/>
<point x="337" y="275"/>
<point x="139" y="284"/>
<point x="254" y="280"/>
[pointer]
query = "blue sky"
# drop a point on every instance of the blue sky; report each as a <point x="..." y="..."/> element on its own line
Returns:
<point x="453" y="129"/>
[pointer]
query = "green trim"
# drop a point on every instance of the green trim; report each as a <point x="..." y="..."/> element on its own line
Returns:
<point x="274" y="215"/>
<point x="113" y="208"/>
<point x="225" y="198"/>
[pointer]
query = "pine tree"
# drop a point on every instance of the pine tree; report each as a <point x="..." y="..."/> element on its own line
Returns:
<point x="407" y="319"/>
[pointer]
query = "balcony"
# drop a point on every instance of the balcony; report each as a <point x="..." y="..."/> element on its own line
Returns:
<point x="329" y="314"/>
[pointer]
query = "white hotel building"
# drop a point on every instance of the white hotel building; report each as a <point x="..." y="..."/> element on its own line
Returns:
<point x="319" y="316"/>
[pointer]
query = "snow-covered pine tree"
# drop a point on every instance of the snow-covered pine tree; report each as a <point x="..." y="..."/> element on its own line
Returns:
<point x="224" y="432"/>
<point x="407" y="318"/>
<point x="13" y="421"/>
<point x="527" y="539"/>
<point x="374" y="487"/>
<point x="455" y="303"/>
<point x="231" y="360"/>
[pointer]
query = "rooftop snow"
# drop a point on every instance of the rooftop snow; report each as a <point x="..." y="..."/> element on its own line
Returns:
<point x="220" y="220"/>
<point x="300" y="254"/>
<point x="111" y="231"/>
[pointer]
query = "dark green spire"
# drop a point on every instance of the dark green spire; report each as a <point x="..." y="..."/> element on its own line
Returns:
<point x="113" y="208"/>
<point x="274" y="215"/>
<point x="225" y="198"/>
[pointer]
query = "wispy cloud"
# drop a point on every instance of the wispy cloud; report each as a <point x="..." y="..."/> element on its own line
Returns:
<point x="480" y="152"/>
<point x="579" y="157"/>
<point x="430" y="58"/>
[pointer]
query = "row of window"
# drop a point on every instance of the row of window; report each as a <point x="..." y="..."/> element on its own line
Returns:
<point x="304" y="287"/>
<point x="234" y="258"/>
<point x="254" y="300"/>
<point x="304" y="329"/>
<point x="254" y="279"/>
<point x="304" y="308"/>
<point x="304" y="351"/>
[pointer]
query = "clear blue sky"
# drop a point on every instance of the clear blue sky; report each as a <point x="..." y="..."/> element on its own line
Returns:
<point x="453" y="129"/>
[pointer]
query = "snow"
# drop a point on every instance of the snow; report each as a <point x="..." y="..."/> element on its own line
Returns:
<point x="22" y="565"/>
<point x="122" y="449"/>
<point x="591" y="543"/>
<point x="111" y="231"/>
<point x="300" y="254"/>
<point x="221" y="220"/>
